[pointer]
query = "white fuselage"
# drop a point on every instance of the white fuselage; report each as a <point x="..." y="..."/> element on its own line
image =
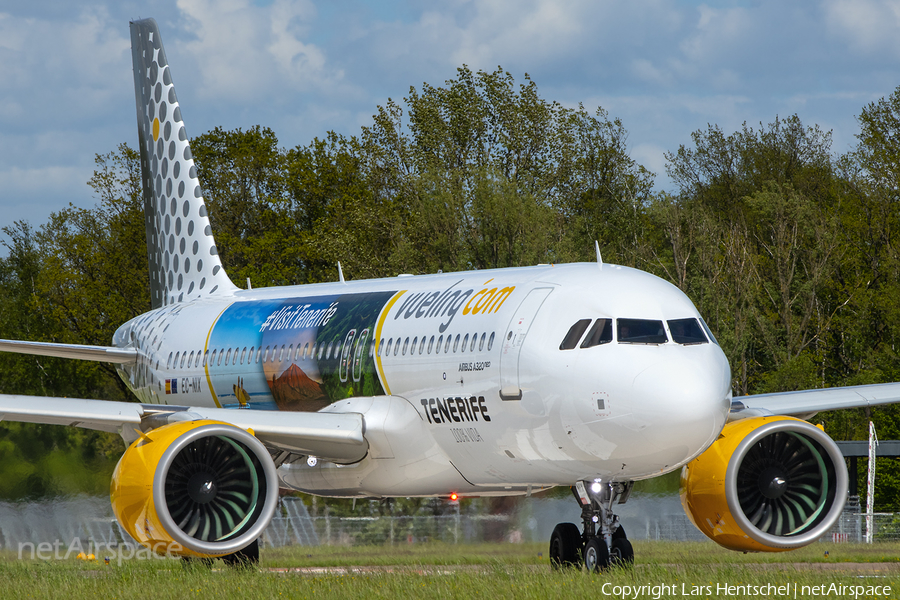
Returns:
<point x="460" y="375"/>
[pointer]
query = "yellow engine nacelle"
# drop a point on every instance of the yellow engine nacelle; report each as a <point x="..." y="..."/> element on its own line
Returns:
<point x="195" y="488"/>
<point x="767" y="484"/>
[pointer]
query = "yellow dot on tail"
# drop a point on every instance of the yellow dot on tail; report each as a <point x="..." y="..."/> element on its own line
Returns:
<point x="155" y="129"/>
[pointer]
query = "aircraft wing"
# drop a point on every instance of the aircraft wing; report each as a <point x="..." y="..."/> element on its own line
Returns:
<point x="108" y="354"/>
<point x="336" y="437"/>
<point x="808" y="402"/>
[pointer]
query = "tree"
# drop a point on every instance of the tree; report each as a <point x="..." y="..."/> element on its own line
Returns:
<point x="763" y="230"/>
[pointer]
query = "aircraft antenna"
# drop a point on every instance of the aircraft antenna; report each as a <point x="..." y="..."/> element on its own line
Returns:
<point x="340" y="273"/>
<point x="249" y="287"/>
<point x="597" y="250"/>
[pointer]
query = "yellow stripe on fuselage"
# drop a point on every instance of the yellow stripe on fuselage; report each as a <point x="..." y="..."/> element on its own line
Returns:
<point x="209" y="382"/>
<point x="378" y="328"/>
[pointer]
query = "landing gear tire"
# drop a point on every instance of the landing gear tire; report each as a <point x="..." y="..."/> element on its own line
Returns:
<point x="619" y="533"/>
<point x="246" y="557"/>
<point x="565" y="546"/>
<point x="621" y="554"/>
<point x="596" y="555"/>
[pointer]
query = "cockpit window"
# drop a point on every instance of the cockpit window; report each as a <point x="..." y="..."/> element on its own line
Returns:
<point x="600" y="333"/>
<point x="708" y="332"/>
<point x="574" y="335"/>
<point x="687" y="331"/>
<point x="640" y="331"/>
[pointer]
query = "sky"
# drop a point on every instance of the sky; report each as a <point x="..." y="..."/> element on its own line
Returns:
<point x="666" y="68"/>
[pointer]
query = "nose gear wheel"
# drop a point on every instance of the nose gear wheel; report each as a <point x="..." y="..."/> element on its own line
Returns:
<point x="602" y="543"/>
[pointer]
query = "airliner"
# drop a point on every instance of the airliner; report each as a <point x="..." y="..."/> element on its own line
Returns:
<point x="482" y="383"/>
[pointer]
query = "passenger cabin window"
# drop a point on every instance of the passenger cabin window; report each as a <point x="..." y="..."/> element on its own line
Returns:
<point x="574" y="334"/>
<point x="687" y="331"/>
<point x="491" y="341"/>
<point x="640" y="331"/>
<point x="600" y="333"/>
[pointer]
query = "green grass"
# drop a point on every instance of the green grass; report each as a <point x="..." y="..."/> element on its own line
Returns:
<point x="448" y="571"/>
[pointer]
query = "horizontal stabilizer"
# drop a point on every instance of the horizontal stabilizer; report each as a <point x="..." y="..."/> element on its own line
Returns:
<point x="336" y="437"/>
<point x="96" y="353"/>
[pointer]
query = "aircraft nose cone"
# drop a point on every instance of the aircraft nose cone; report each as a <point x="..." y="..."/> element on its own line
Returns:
<point x="685" y="400"/>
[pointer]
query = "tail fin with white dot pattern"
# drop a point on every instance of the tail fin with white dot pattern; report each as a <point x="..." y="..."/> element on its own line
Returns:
<point x="184" y="262"/>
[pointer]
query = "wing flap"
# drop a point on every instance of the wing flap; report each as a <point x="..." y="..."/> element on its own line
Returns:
<point x="90" y="414"/>
<point x="812" y="401"/>
<point x="108" y="354"/>
<point x="332" y="436"/>
<point x="337" y="437"/>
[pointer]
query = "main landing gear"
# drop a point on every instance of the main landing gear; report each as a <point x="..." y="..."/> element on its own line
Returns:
<point x="602" y="542"/>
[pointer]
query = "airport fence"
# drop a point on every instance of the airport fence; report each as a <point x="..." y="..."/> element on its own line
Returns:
<point x="88" y="521"/>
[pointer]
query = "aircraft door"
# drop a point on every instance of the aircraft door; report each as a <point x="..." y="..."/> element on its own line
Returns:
<point x="513" y="338"/>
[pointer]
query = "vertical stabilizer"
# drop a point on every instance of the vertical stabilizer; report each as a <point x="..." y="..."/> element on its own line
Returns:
<point x="184" y="262"/>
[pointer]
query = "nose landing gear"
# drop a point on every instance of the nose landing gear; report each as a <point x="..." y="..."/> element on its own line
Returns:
<point x="602" y="542"/>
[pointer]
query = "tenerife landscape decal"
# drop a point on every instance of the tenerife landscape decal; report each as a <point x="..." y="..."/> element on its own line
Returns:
<point x="302" y="354"/>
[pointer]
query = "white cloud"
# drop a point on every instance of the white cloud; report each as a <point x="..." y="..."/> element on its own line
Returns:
<point x="868" y="26"/>
<point x="245" y="52"/>
<point x="59" y="71"/>
<point x="52" y="187"/>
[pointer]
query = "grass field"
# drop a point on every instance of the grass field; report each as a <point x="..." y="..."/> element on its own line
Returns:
<point x="662" y="570"/>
